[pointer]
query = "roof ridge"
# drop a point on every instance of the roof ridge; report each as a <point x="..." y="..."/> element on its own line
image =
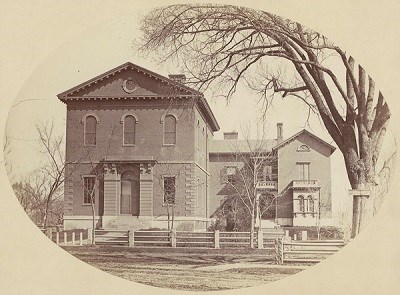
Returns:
<point x="118" y="69"/>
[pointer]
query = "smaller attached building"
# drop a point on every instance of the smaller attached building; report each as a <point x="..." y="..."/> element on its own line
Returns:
<point x="295" y="173"/>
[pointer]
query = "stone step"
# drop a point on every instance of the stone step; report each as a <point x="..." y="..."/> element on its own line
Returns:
<point x="126" y="223"/>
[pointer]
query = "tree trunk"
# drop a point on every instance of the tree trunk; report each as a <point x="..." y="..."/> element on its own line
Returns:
<point x="252" y="231"/>
<point x="93" y="222"/>
<point x="168" y="218"/>
<point x="45" y="219"/>
<point x="173" y="216"/>
<point x="360" y="172"/>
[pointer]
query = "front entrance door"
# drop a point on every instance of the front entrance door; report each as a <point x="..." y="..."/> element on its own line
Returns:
<point x="130" y="190"/>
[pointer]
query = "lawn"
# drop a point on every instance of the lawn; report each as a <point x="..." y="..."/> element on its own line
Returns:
<point x="186" y="269"/>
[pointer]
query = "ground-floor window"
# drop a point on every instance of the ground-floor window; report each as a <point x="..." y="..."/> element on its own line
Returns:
<point x="169" y="190"/>
<point x="88" y="189"/>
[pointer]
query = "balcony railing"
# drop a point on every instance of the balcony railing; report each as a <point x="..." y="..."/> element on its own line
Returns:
<point x="304" y="183"/>
<point x="267" y="184"/>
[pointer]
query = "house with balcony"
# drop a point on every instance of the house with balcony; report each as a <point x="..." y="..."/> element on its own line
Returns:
<point x="291" y="177"/>
<point x="140" y="150"/>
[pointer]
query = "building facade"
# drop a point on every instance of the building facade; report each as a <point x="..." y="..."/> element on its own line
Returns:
<point x="141" y="153"/>
<point x="292" y="177"/>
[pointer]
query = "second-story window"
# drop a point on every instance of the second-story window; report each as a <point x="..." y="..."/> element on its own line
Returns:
<point x="169" y="130"/>
<point x="304" y="171"/>
<point x="90" y="130"/>
<point x="266" y="173"/>
<point x="231" y="174"/>
<point x="129" y="130"/>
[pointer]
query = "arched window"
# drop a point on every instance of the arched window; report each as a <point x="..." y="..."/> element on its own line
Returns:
<point x="90" y="130"/>
<point x="310" y="204"/>
<point x="169" y="130"/>
<point x="301" y="203"/>
<point x="129" y="130"/>
<point x="303" y="148"/>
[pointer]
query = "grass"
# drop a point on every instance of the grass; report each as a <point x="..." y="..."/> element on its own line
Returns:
<point x="186" y="269"/>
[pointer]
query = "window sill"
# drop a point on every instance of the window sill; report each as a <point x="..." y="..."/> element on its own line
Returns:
<point x="128" y="145"/>
<point x="168" y="144"/>
<point x="87" y="205"/>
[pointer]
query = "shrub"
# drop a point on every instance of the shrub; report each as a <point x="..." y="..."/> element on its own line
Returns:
<point x="326" y="232"/>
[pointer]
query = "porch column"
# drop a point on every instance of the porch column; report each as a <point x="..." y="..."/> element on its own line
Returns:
<point x="146" y="190"/>
<point x="110" y="190"/>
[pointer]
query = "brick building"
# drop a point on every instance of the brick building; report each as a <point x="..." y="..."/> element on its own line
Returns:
<point x="140" y="148"/>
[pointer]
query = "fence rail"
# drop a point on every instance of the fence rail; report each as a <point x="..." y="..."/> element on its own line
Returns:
<point x="285" y="249"/>
<point x="306" y="251"/>
<point x="208" y="239"/>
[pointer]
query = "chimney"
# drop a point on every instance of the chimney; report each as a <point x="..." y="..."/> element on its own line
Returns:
<point x="231" y="135"/>
<point x="279" y="133"/>
<point x="179" y="78"/>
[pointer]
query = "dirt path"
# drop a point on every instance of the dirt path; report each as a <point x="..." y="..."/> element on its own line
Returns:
<point x="204" y="271"/>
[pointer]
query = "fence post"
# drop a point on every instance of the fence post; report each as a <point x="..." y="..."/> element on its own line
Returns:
<point x="173" y="238"/>
<point x="295" y="237"/>
<point x="89" y="235"/>
<point x="80" y="239"/>
<point x="279" y="250"/>
<point x="49" y="233"/>
<point x="260" y="239"/>
<point x="65" y="238"/>
<point x="73" y="238"/>
<point x="57" y="238"/>
<point x="216" y="239"/>
<point x="304" y="235"/>
<point x="131" y="238"/>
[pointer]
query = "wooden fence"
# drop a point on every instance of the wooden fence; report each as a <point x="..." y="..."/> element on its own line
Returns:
<point x="205" y="239"/>
<point x="69" y="238"/>
<point x="305" y="251"/>
<point x="285" y="249"/>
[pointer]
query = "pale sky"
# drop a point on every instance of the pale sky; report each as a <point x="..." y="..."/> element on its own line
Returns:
<point x="108" y="45"/>
<point x="30" y="30"/>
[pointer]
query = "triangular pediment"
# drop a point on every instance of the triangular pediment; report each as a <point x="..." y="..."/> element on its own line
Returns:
<point x="304" y="136"/>
<point x="128" y="80"/>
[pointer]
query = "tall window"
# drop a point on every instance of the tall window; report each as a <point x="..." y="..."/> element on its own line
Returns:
<point x="231" y="173"/>
<point x="301" y="203"/>
<point x="129" y="130"/>
<point x="88" y="189"/>
<point x="169" y="190"/>
<point x="267" y="173"/>
<point x="170" y="130"/>
<point x="310" y="204"/>
<point x="304" y="171"/>
<point x="90" y="130"/>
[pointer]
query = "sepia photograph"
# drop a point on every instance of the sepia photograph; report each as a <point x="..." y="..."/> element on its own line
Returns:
<point x="200" y="147"/>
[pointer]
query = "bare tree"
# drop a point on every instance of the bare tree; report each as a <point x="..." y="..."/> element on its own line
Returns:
<point x="6" y="152"/>
<point x="32" y="192"/>
<point x="227" y="45"/>
<point x="242" y="182"/>
<point x="52" y="171"/>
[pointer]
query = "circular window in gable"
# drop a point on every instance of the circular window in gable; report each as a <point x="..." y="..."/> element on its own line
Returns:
<point x="129" y="85"/>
